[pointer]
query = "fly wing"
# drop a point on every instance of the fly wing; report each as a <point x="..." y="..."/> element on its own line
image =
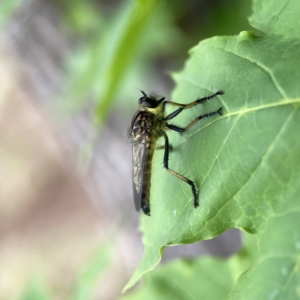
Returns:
<point x="139" y="154"/>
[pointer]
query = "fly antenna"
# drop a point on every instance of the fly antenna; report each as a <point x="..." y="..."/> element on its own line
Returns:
<point x="143" y="93"/>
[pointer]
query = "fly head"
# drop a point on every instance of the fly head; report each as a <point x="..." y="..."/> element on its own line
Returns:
<point x="149" y="101"/>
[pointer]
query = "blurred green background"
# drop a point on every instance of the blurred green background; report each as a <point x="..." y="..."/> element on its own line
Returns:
<point x="69" y="77"/>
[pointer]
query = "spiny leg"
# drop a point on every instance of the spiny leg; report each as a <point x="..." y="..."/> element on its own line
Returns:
<point x="166" y="165"/>
<point x="180" y="129"/>
<point x="185" y="106"/>
<point x="202" y="100"/>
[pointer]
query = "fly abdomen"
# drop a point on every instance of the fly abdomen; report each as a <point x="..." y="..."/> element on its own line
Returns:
<point x="145" y="200"/>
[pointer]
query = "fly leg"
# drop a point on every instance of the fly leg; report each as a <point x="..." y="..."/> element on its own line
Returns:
<point x="181" y="129"/>
<point x="163" y="147"/>
<point x="166" y="165"/>
<point x="186" y="106"/>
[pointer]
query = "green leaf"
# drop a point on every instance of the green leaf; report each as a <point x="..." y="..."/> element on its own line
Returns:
<point x="185" y="283"/>
<point x="36" y="289"/>
<point x="124" y="52"/>
<point x="245" y="163"/>
<point x="204" y="278"/>
<point x="101" y="65"/>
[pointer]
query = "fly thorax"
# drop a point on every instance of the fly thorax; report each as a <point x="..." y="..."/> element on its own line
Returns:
<point x="141" y="126"/>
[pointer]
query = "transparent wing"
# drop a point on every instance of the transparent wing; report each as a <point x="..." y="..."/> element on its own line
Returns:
<point x="139" y="154"/>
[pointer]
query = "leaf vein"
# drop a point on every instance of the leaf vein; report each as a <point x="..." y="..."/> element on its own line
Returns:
<point x="264" y="68"/>
<point x="269" y="149"/>
<point x="244" y="111"/>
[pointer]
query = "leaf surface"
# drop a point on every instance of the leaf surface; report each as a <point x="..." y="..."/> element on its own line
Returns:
<point x="189" y="279"/>
<point x="246" y="162"/>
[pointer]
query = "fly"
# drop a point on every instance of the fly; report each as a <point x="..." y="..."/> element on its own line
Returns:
<point x="147" y="126"/>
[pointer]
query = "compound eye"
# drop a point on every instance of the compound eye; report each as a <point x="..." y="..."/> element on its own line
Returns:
<point x="141" y="100"/>
<point x="148" y="102"/>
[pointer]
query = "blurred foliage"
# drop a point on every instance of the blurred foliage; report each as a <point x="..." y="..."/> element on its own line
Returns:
<point x="7" y="8"/>
<point x="201" y="278"/>
<point x="104" y="62"/>
<point x="85" y="18"/>
<point x="85" y="282"/>
<point x="36" y="289"/>
<point x="91" y="273"/>
<point x="121" y="46"/>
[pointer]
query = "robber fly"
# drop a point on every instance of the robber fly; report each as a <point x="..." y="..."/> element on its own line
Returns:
<point x="147" y="126"/>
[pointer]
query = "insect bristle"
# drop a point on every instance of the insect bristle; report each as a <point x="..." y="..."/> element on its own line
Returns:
<point x="155" y="95"/>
